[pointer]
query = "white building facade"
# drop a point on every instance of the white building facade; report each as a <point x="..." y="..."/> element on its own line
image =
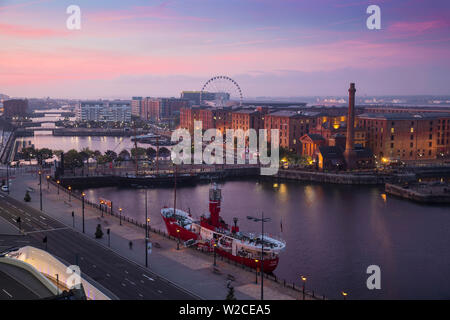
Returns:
<point x="106" y="111"/>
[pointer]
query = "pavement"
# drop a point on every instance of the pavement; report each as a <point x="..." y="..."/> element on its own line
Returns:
<point x="125" y="279"/>
<point x="186" y="268"/>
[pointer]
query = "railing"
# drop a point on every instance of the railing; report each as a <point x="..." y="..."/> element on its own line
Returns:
<point x="274" y="278"/>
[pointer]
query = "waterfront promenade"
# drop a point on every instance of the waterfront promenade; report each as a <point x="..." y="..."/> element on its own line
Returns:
<point x="187" y="267"/>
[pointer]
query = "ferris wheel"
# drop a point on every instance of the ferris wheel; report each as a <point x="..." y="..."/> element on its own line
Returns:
<point x="221" y="91"/>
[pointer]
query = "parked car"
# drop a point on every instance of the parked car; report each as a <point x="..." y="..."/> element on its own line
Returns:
<point x="5" y="188"/>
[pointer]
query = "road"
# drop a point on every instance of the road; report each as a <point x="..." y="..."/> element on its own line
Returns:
<point x="11" y="289"/>
<point x="122" y="277"/>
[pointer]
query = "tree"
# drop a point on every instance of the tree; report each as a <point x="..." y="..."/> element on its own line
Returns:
<point x="43" y="154"/>
<point x="111" y="155"/>
<point x="73" y="159"/>
<point x="28" y="153"/>
<point x="99" y="232"/>
<point x="27" y="197"/>
<point x="151" y="153"/>
<point x="140" y="152"/>
<point x="124" y="155"/>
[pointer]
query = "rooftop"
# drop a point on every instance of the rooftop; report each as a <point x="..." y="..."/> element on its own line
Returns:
<point x="405" y="116"/>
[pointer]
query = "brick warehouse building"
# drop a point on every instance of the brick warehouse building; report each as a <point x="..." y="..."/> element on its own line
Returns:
<point x="15" y="108"/>
<point x="292" y="125"/>
<point x="407" y="136"/>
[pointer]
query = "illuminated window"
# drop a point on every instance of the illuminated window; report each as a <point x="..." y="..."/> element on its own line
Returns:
<point x="412" y="130"/>
<point x="392" y="130"/>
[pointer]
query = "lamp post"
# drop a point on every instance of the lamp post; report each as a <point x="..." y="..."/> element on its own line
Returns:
<point x="40" y="189"/>
<point x="147" y="220"/>
<point x="178" y="242"/>
<point x="262" y="220"/>
<point x="344" y="294"/>
<point x="70" y="192"/>
<point x="82" y="207"/>
<point x="101" y="206"/>
<point x="48" y="182"/>
<point x="257" y="269"/>
<point x="73" y="219"/>
<point x="120" y="216"/>
<point x="108" y="231"/>
<point x="303" y="286"/>
<point x="58" y="182"/>
<point x="214" y="246"/>
<point x="7" y="176"/>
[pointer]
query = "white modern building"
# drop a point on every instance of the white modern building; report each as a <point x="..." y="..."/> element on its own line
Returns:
<point x="107" y="111"/>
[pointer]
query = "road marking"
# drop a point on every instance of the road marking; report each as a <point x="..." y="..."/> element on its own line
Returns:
<point x="160" y="291"/>
<point x="140" y="295"/>
<point x="108" y="275"/>
<point x="142" y="281"/>
<point x="148" y="277"/>
<point x="7" y="293"/>
<point x="94" y="266"/>
<point x="130" y="281"/>
<point x="47" y="230"/>
<point x="123" y="284"/>
<point x="126" y="271"/>
<point x="42" y="217"/>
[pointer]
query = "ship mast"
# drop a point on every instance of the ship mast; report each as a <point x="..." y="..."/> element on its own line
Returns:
<point x="175" y="190"/>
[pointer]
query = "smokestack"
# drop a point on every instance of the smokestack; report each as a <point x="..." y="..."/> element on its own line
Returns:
<point x="349" y="153"/>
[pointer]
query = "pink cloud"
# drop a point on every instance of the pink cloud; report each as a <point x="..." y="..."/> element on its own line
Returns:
<point x="137" y="12"/>
<point x="417" y="27"/>
<point x="29" y="32"/>
<point x="27" y="67"/>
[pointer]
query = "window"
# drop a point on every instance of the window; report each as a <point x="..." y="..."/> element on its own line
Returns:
<point x="392" y="138"/>
<point x="412" y="130"/>
<point x="392" y="146"/>
<point x="411" y="145"/>
<point x="392" y="130"/>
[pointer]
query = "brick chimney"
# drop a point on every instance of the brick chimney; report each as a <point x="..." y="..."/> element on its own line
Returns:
<point x="350" y="154"/>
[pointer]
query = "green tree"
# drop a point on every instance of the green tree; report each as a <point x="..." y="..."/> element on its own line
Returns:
<point x="124" y="155"/>
<point x="140" y="152"/>
<point x="43" y="154"/>
<point x="73" y="159"/>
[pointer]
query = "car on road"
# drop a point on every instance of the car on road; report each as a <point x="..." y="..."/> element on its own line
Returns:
<point x="5" y="188"/>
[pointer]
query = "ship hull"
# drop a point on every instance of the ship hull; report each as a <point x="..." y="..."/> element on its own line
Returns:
<point x="185" y="235"/>
<point x="269" y="265"/>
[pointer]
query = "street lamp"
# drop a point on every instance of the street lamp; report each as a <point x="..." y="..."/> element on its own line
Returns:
<point x="70" y="192"/>
<point x="262" y="220"/>
<point x="303" y="286"/>
<point x="82" y="207"/>
<point x="7" y="176"/>
<point x="40" y="189"/>
<point x="101" y="206"/>
<point x="147" y="221"/>
<point x="215" y="245"/>
<point x="344" y="294"/>
<point x="120" y="216"/>
<point x="48" y="182"/>
<point x="178" y="242"/>
<point x="58" y="182"/>
<point x="256" y="278"/>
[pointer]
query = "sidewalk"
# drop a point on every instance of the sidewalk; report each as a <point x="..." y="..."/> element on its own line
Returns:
<point x="188" y="268"/>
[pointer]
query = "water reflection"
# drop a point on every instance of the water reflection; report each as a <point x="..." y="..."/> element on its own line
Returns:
<point x="333" y="233"/>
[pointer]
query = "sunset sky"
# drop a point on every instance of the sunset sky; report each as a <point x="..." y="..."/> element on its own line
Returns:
<point x="271" y="48"/>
